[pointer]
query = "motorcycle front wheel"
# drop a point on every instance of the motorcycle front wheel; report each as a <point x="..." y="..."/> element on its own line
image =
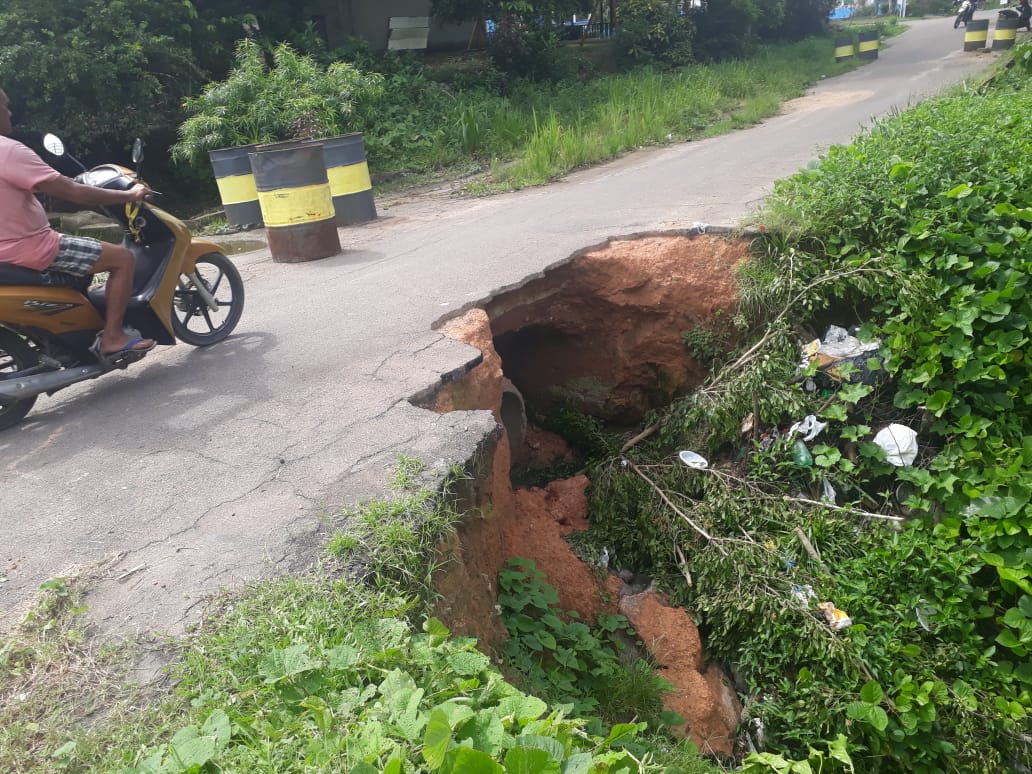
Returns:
<point x="193" y="320"/>
<point x="15" y="355"/>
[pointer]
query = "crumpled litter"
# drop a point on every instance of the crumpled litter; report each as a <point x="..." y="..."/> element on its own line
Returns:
<point x="693" y="460"/>
<point x="837" y="619"/>
<point x="899" y="443"/>
<point x="837" y="348"/>
<point x="838" y="343"/>
<point x="803" y="595"/>
<point x="809" y="427"/>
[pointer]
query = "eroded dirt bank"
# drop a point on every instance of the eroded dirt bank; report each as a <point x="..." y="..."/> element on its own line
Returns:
<point x="604" y="331"/>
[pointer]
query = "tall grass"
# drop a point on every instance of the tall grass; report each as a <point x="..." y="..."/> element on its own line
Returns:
<point x="552" y="133"/>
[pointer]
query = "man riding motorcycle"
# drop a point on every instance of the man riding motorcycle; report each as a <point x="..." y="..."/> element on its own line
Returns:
<point x="26" y="238"/>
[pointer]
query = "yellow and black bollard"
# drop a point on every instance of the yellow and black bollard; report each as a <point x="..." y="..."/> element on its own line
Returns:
<point x="294" y="193"/>
<point x="868" y="45"/>
<point x="975" y="34"/>
<point x="235" y="180"/>
<point x="843" y="48"/>
<point x="1005" y="34"/>
<point x="350" y="184"/>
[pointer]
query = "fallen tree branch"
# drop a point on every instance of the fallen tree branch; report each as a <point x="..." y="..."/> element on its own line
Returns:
<point x="640" y="437"/>
<point x="831" y="507"/>
<point x="677" y="510"/>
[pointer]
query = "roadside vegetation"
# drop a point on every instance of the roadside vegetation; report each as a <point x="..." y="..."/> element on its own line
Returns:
<point x="521" y="109"/>
<point x="340" y="670"/>
<point x="918" y="237"/>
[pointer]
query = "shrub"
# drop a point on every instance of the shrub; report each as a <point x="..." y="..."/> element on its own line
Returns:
<point x="524" y="51"/>
<point x="653" y="32"/>
<point x="294" y="98"/>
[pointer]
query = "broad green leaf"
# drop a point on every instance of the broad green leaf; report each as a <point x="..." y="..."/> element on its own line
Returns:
<point x="485" y="731"/>
<point x="528" y="760"/>
<point x="217" y="725"/>
<point x="522" y="708"/>
<point x="549" y="744"/>
<point x="938" y="401"/>
<point x="466" y="760"/>
<point x="436" y="739"/>
<point x="456" y="713"/>
<point x="192" y="751"/>
<point x="837" y="750"/>
<point x="578" y="764"/>
<point x="871" y="692"/>
<point x="620" y="731"/>
<point x="879" y="718"/>
<point x="341" y="657"/>
<point x="287" y="662"/>
<point x="468" y="663"/>
<point x="435" y="628"/>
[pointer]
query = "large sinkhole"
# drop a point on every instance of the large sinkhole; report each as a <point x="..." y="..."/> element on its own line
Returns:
<point x="603" y="333"/>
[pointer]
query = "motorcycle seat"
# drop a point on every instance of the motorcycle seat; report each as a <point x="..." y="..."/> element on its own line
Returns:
<point x="19" y="275"/>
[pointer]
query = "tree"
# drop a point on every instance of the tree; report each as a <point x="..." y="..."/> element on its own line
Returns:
<point x="100" y="71"/>
<point x="527" y="31"/>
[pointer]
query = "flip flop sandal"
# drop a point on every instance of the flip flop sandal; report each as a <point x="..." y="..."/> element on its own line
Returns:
<point x="125" y="355"/>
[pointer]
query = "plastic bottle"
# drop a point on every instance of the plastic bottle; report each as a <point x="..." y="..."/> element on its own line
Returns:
<point x="801" y="455"/>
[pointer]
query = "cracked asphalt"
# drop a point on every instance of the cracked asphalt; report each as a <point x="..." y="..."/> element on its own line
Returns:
<point x="201" y="469"/>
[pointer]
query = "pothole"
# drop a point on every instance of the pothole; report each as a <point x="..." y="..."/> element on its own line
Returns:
<point x="237" y="246"/>
<point x="603" y="333"/>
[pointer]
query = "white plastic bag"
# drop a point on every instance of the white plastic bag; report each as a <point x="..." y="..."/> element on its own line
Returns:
<point x="899" y="443"/>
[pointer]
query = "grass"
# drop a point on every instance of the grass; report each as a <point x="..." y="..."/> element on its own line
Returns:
<point x="56" y="684"/>
<point x="534" y="133"/>
<point x="618" y="113"/>
<point x="316" y="673"/>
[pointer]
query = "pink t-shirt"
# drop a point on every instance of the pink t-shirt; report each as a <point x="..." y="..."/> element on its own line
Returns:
<point x="26" y="238"/>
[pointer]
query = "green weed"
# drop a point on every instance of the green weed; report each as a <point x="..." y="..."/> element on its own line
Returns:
<point x="593" y="667"/>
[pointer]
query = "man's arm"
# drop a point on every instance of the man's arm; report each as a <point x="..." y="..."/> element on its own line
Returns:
<point x="68" y="190"/>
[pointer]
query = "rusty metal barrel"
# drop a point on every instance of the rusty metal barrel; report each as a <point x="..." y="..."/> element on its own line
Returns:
<point x="843" y="48"/>
<point x="867" y="45"/>
<point x="975" y="34"/>
<point x="1005" y="34"/>
<point x="233" y="176"/>
<point x="294" y="193"/>
<point x="350" y="184"/>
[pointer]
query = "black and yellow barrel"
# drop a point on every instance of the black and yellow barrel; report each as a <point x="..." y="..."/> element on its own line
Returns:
<point x="1005" y="34"/>
<point x="233" y="176"/>
<point x="867" y="44"/>
<point x="975" y="34"/>
<point x="843" y="48"/>
<point x="350" y="184"/>
<point x="294" y="193"/>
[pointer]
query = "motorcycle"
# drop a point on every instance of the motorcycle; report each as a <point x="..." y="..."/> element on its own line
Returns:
<point x="967" y="12"/>
<point x="183" y="288"/>
<point x="1023" y="13"/>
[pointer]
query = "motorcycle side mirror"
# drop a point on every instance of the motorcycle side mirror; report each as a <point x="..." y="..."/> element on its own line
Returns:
<point x="137" y="150"/>
<point x="53" y="144"/>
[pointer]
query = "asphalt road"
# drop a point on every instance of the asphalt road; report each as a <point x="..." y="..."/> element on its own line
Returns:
<point x="198" y="469"/>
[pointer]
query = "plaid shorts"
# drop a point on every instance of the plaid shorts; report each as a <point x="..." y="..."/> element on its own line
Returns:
<point x="76" y="256"/>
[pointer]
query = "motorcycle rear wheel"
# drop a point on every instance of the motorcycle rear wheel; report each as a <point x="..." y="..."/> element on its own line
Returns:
<point x="15" y="355"/>
<point x="192" y="320"/>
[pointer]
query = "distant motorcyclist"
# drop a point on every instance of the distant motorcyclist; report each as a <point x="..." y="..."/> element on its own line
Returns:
<point x="967" y="11"/>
